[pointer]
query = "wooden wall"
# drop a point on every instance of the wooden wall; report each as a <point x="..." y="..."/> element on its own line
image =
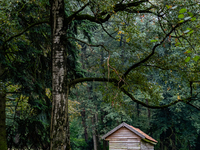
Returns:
<point x="124" y="139"/>
<point x="146" y="146"/>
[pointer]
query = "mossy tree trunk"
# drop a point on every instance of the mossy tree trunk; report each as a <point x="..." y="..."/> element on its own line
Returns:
<point x="3" y="141"/>
<point x="60" y="139"/>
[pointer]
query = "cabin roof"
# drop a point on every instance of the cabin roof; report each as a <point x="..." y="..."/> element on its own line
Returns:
<point x="137" y="131"/>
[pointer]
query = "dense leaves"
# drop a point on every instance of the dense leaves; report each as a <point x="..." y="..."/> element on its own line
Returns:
<point x="147" y="52"/>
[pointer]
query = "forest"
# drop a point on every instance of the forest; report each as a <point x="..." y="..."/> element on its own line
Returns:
<point x="72" y="70"/>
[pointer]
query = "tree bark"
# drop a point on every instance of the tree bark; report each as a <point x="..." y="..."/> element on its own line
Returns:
<point x="60" y="139"/>
<point x="3" y="140"/>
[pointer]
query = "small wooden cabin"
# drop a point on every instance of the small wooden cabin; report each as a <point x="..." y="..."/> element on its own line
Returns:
<point x="127" y="137"/>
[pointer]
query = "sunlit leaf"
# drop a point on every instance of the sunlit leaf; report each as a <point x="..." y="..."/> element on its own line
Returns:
<point x="181" y="16"/>
<point x="181" y="21"/>
<point x="189" y="13"/>
<point x="191" y="32"/>
<point x="187" y="59"/>
<point x="193" y="19"/>
<point x="182" y="10"/>
<point x="154" y="40"/>
<point x="188" y="51"/>
<point x="196" y="58"/>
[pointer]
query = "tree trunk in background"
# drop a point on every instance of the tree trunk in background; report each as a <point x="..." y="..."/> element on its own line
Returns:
<point x="3" y="140"/>
<point x="60" y="139"/>
<point x="94" y="134"/>
<point x="105" y="145"/>
<point x="84" y="125"/>
<point x="198" y="143"/>
<point x="138" y="110"/>
<point x="149" y="112"/>
<point x="83" y="56"/>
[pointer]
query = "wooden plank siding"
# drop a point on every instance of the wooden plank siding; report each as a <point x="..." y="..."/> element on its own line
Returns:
<point x="124" y="139"/>
<point x="123" y="133"/>
<point x="146" y="146"/>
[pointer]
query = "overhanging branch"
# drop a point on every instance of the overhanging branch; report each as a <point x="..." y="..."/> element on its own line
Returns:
<point x="29" y="27"/>
<point x="70" y="18"/>
<point x="153" y="50"/>
<point x="193" y="106"/>
<point x="112" y="80"/>
<point x="80" y="80"/>
<point x="105" y="15"/>
<point x="92" y="45"/>
<point x="150" y="106"/>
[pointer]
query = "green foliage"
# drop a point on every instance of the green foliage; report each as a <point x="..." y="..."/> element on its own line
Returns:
<point x="183" y="10"/>
<point x="77" y="141"/>
<point x="158" y="81"/>
<point x="181" y="16"/>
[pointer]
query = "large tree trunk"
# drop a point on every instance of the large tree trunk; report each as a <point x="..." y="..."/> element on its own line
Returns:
<point x="3" y="141"/>
<point x="60" y="139"/>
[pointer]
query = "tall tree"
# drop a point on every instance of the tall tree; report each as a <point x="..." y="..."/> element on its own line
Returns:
<point x="171" y="29"/>
<point x="100" y="13"/>
<point x="59" y="119"/>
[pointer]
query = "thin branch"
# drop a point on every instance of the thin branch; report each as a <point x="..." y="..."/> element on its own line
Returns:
<point x="107" y="32"/>
<point x="191" y="88"/>
<point x="153" y="50"/>
<point x="99" y="45"/>
<point x="111" y="35"/>
<point x="176" y="33"/>
<point x="122" y="7"/>
<point x="159" y="21"/>
<point x="29" y="27"/>
<point x="99" y="18"/>
<point x="161" y="68"/>
<point x="140" y="11"/>
<point x="189" y="43"/>
<point x="193" y="106"/>
<point x="80" y="80"/>
<point x="108" y="64"/>
<point x="73" y="15"/>
<point x="151" y="106"/>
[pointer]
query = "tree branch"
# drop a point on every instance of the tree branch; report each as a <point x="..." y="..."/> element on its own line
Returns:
<point x="161" y="68"/>
<point x="80" y="80"/>
<point x="153" y="51"/>
<point x="122" y="7"/>
<point x="112" y="80"/>
<point x="107" y="32"/>
<point x="99" y="45"/>
<point x="70" y="18"/>
<point x="29" y="27"/>
<point x="150" y="106"/>
<point x="193" y="106"/>
<point x="118" y="7"/>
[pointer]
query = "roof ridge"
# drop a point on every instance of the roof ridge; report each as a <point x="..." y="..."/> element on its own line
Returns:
<point x="137" y="131"/>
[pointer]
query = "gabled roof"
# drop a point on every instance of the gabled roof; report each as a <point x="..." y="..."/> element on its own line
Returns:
<point x="137" y="131"/>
